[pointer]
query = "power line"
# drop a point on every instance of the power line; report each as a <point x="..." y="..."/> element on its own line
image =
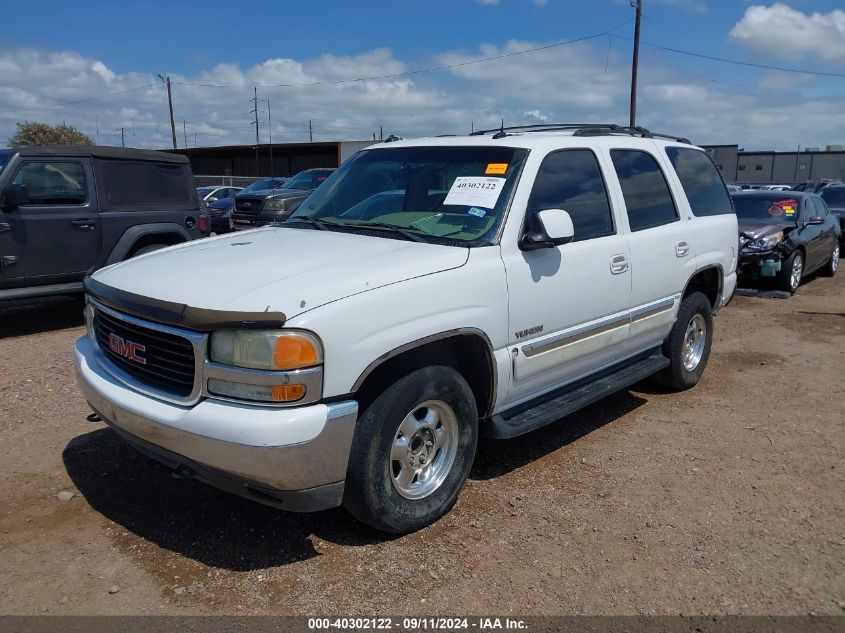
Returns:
<point x="67" y="103"/>
<point x="419" y="70"/>
<point x="726" y="60"/>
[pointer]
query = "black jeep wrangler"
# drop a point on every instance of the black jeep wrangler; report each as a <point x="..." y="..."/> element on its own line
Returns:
<point x="66" y="211"/>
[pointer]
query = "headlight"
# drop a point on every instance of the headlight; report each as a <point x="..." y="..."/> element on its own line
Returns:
<point x="275" y="205"/>
<point x="765" y="243"/>
<point x="267" y="350"/>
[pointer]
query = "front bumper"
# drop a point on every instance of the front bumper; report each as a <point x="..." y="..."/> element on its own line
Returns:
<point x="293" y="458"/>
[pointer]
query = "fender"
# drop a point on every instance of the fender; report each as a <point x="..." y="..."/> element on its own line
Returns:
<point x="407" y="347"/>
<point x="133" y="234"/>
<point x="718" y="268"/>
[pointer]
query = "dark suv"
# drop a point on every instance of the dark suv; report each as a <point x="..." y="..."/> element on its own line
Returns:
<point x="259" y="208"/>
<point x="66" y="211"/>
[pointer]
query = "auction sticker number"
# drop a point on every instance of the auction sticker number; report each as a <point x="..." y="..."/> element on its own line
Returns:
<point x="475" y="191"/>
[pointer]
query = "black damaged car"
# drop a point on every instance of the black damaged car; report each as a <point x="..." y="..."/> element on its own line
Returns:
<point x="784" y="236"/>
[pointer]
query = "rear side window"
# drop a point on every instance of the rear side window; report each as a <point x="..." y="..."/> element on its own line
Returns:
<point x="49" y="183"/>
<point x="142" y="185"/>
<point x="701" y="181"/>
<point x="647" y="197"/>
<point x="572" y="180"/>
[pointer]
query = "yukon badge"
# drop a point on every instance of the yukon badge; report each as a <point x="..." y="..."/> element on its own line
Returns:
<point x="126" y="348"/>
<point x="528" y="332"/>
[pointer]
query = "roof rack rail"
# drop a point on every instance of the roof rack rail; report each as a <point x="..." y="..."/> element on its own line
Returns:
<point x="582" y="129"/>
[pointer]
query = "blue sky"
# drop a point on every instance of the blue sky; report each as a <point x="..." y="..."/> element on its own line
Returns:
<point x="63" y="51"/>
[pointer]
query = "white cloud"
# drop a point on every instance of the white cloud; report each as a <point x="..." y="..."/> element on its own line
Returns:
<point x="579" y="82"/>
<point x="782" y="32"/>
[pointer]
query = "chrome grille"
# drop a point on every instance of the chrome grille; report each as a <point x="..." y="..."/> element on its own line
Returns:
<point x="170" y="359"/>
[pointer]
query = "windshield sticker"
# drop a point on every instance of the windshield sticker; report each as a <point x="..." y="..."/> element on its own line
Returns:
<point x="479" y="213"/>
<point x="776" y="211"/>
<point x="496" y="168"/>
<point x="475" y="191"/>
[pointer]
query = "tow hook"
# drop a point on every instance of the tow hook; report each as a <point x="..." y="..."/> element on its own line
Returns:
<point x="94" y="417"/>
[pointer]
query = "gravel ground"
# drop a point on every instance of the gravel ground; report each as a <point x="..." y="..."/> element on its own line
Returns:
<point x="721" y="500"/>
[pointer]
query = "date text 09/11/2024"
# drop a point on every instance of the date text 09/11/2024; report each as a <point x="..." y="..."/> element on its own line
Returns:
<point x="425" y="623"/>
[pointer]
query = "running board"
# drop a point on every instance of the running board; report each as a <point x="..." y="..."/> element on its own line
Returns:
<point x="560" y="403"/>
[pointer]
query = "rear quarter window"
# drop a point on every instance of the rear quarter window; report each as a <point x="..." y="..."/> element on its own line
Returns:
<point x="126" y="185"/>
<point x="702" y="183"/>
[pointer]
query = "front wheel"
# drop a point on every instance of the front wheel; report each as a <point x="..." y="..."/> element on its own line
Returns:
<point x="688" y="345"/>
<point x="412" y="451"/>
<point x="791" y="273"/>
<point x="832" y="265"/>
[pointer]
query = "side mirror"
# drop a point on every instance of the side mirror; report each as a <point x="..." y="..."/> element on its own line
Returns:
<point x="14" y="196"/>
<point x="546" y="229"/>
<point x="211" y="199"/>
<point x="815" y="220"/>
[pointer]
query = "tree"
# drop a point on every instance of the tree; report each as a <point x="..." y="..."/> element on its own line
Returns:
<point x="34" y="134"/>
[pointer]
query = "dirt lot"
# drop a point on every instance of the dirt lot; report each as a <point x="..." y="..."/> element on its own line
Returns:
<point x="724" y="499"/>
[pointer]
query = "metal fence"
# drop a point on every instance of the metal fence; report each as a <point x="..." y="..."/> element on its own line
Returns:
<point x="225" y="181"/>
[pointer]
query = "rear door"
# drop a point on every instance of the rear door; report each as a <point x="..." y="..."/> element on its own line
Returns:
<point x="813" y="234"/>
<point x="55" y="236"/>
<point x="661" y="240"/>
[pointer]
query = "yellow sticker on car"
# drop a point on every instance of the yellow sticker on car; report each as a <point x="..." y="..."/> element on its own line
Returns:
<point x="496" y="168"/>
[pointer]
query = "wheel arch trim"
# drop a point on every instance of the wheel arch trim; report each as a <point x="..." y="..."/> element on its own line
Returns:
<point x="432" y="338"/>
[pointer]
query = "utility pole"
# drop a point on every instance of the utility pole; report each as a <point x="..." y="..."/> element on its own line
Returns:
<point x="638" y="5"/>
<point x="270" y="136"/>
<point x="310" y="132"/>
<point x="255" y="111"/>
<point x="166" y="80"/>
<point x="122" y="138"/>
<point x="380" y="133"/>
<point x="185" y="132"/>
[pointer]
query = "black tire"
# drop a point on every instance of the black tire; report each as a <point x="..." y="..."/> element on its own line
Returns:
<point x="785" y="279"/>
<point x="832" y="265"/>
<point x="678" y="376"/>
<point x="149" y="248"/>
<point x="371" y="494"/>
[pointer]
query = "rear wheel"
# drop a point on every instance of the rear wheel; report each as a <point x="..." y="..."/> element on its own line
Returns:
<point x="688" y="345"/>
<point x="791" y="273"/>
<point x="832" y="265"/>
<point x="412" y="451"/>
<point x="149" y="248"/>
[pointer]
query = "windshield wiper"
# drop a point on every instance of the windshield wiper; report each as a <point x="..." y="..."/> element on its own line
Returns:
<point x="381" y="226"/>
<point x="308" y="220"/>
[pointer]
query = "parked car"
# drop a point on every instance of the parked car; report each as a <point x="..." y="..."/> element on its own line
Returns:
<point x="733" y="188"/>
<point x="814" y="186"/>
<point x="66" y="211"/>
<point x="785" y="236"/>
<point x="213" y="194"/>
<point x="259" y="208"/>
<point x="776" y="187"/>
<point x="834" y="196"/>
<point x="220" y="213"/>
<point x="339" y="360"/>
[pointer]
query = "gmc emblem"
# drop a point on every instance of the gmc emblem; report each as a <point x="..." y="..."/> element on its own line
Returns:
<point x="127" y="349"/>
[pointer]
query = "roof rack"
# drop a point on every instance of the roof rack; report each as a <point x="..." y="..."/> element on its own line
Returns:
<point x="582" y="129"/>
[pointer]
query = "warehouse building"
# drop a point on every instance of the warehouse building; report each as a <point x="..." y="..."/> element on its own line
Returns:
<point x="811" y="163"/>
<point x="278" y="159"/>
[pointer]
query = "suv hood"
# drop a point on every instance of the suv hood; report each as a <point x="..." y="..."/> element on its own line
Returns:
<point x="268" y="193"/>
<point x="277" y="269"/>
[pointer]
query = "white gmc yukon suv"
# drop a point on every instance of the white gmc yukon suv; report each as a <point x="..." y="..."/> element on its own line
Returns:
<point x="428" y="292"/>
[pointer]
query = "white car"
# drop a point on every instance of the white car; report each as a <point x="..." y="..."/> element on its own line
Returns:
<point x="485" y="284"/>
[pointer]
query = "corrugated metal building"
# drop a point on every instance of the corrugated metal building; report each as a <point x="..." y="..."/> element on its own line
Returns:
<point x="778" y="167"/>
<point x="251" y="160"/>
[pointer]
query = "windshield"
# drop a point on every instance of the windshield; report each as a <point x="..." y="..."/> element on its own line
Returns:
<point x="834" y="196"/>
<point x="4" y="158"/>
<point x="451" y="193"/>
<point x="768" y="209"/>
<point x="266" y="183"/>
<point x="303" y="180"/>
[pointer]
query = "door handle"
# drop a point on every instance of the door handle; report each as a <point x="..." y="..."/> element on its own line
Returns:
<point x="83" y="225"/>
<point x="5" y="227"/>
<point x="682" y="249"/>
<point x="618" y="264"/>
